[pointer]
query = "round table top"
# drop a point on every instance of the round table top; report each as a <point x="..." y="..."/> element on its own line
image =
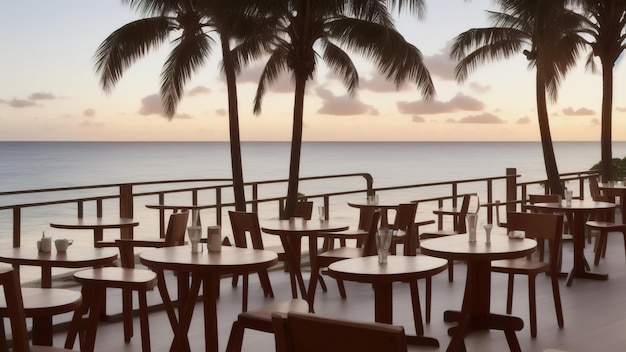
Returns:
<point x="378" y="205"/>
<point x="458" y="247"/>
<point x="74" y="257"/>
<point x="614" y="185"/>
<point x="94" y="222"/>
<point x="397" y="268"/>
<point x="301" y="226"/>
<point x="577" y="205"/>
<point x="228" y="260"/>
<point x="45" y="301"/>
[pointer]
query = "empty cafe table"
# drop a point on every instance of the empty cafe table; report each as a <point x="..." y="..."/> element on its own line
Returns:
<point x="382" y="276"/>
<point x="73" y="258"/>
<point x="475" y="312"/>
<point x="97" y="225"/>
<point x="577" y="214"/>
<point x="205" y="268"/>
<point x="291" y="233"/>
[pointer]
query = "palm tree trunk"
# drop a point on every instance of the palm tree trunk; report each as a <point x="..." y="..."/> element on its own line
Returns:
<point x="606" y="166"/>
<point x="296" y="145"/>
<point x="552" y="172"/>
<point x="233" y="121"/>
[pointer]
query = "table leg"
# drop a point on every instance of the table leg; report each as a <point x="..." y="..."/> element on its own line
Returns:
<point x="210" y="291"/>
<point x="293" y="249"/>
<point x="42" y="326"/>
<point x="579" y="270"/>
<point x="185" y="310"/>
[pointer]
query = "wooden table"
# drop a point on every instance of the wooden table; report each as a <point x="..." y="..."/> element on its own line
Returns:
<point x="98" y="225"/>
<point x="614" y="189"/>
<point x="205" y="268"/>
<point x="382" y="276"/>
<point x="75" y="257"/>
<point x="384" y="207"/>
<point x="577" y="214"/>
<point x="475" y="312"/>
<point x="291" y="233"/>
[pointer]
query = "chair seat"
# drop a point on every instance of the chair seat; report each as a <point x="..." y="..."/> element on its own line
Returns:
<point x="342" y="252"/>
<point x="606" y="225"/>
<point x="346" y="235"/>
<point x="45" y="301"/>
<point x="436" y="234"/>
<point x="264" y="314"/>
<point x="519" y="266"/>
<point x="117" y="277"/>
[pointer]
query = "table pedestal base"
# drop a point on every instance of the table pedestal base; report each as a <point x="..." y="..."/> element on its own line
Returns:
<point x="482" y="321"/>
<point x="585" y="275"/>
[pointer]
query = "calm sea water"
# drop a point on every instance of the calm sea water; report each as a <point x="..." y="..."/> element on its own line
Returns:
<point x="33" y="165"/>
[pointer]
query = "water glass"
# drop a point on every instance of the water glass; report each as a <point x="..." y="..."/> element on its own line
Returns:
<point x="471" y="221"/>
<point x="195" y="233"/>
<point x="568" y="198"/>
<point x="322" y="213"/>
<point x="383" y="241"/>
<point x="488" y="228"/>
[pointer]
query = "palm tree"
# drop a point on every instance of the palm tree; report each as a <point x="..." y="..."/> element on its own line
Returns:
<point x="308" y="30"/>
<point x="605" y="25"/>
<point x="192" y="21"/>
<point x="544" y="28"/>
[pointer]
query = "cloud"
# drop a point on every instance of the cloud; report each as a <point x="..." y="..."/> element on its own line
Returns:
<point x="379" y="84"/>
<point x="183" y="116"/>
<point x="221" y="112"/>
<point x="199" y="90"/>
<point x="89" y="112"/>
<point x="88" y="123"/>
<point x="485" y="118"/>
<point x="595" y="122"/>
<point x="620" y="109"/>
<point x="580" y="112"/>
<point x="450" y="120"/>
<point x="151" y="105"/>
<point x="343" y="105"/>
<point x="440" y="64"/>
<point x="21" y="103"/>
<point x="479" y="88"/>
<point x="42" y="96"/>
<point x="460" y="102"/>
<point x="418" y="119"/>
<point x="523" y="120"/>
<point x="283" y="84"/>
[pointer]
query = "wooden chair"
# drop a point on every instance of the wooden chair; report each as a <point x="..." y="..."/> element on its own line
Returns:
<point x="261" y="319"/>
<point x="128" y="279"/>
<point x="595" y="192"/>
<point x="458" y="228"/>
<point x="540" y="226"/>
<point x="326" y="258"/>
<point x="242" y="223"/>
<point x="15" y="306"/>
<point x="296" y="332"/>
<point x="546" y="198"/>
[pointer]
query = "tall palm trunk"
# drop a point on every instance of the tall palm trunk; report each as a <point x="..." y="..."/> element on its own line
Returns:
<point x="296" y="144"/>
<point x="233" y="121"/>
<point x="552" y="172"/>
<point x="606" y="167"/>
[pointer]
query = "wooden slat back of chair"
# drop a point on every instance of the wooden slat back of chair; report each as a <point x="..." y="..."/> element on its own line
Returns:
<point x="297" y="332"/>
<point x="539" y="226"/>
<point x="542" y="198"/>
<point x="243" y="222"/>
<point x="594" y="190"/>
<point x="15" y="306"/>
<point x="176" y="227"/>
<point x="304" y="210"/>
<point x="459" y="225"/>
<point x="369" y="245"/>
<point x="405" y="218"/>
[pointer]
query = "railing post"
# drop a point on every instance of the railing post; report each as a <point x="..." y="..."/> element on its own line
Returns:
<point x="17" y="226"/>
<point x="255" y="198"/>
<point x="511" y="189"/>
<point x="126" y="208"/>
<point x="218" y="206"/>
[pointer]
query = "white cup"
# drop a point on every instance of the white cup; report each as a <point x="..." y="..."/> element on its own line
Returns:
<point x="322" y="213"/>
<point x="62" y="243"/>
<point x="44" y="244"/>
<point x="195" y="233"/>
<point x="214" y="239"/>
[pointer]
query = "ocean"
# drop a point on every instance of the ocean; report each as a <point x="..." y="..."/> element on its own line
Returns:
<point x="35" y="165"/>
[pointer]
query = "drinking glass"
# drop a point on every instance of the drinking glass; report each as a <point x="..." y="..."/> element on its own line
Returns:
<point x="383" y="241"/>
<point x="488" y="228"/>
<point x="195" y="233"/>
<point x="568" y="197"/>
<point x="471" y="221"/>
<point x="322" y="213"/>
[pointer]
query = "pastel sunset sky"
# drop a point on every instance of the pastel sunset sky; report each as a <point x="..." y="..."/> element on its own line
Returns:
<point x="50" y="90"/>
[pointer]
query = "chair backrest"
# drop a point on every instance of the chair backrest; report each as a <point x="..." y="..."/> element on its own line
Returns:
<point x="369" y="245"/>
<point x="594" y="190"/>
<point x="176" y="227"/>
<point x="15" y="306"/>
<point x="404" y="221"/>
<point x="542" y="198"/>
<point x="243" y="222"/>
<point x="304" y="210"/>
<point x="540" y="226"/>
<point x="299" y="332"/>
<point x="459" y="225"/>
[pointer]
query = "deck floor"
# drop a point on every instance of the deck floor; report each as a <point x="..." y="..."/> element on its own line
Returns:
<point x="594" y="311"/>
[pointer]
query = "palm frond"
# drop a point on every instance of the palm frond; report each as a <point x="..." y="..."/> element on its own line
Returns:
<point x="341" y="64"/>
<point x="126" y="45"/>
<point x="186" y="57"/>
<point x="275" y="66"/>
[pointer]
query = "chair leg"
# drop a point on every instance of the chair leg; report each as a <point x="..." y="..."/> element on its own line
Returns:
<point x="143" y="321"/>
<point x="600" y="247"/>
<point x="244" y="298"/>
<point x="509" y="294"/>
<point x="342" y="289"/>
<point x="450" y="270"/>
<point x="532" y="303"/>
<point x="429" y="297"/>
<point x="94" y="316"/>
<point x="235" y="340"/>
<point x="322" y="283"/>
<point x="557" y="301"/>
<point x="127" y="312"/>
<point x="417" y="309"/>
<point x="235" y="280"/>
<point x="266" y="284"/>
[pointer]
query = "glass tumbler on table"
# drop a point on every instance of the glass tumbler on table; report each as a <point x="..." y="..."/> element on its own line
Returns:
<point x="383" y="241"/>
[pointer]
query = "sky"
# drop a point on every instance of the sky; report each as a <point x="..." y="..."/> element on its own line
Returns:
<point x="50" y="90"/>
